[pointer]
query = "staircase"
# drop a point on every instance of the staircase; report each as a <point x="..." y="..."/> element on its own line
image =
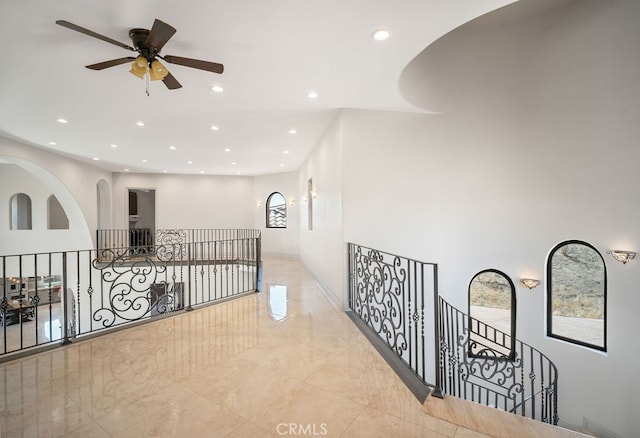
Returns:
<point x="523" y="382"/>
<point x="441" y="348"/>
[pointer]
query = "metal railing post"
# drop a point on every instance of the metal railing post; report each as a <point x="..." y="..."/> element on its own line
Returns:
<point x="437" y="391"/>
<point x="188" y="308"/>
<point x="258" y="263"/>
<point x="65" y="303"/>
<point x="4" y="304"/>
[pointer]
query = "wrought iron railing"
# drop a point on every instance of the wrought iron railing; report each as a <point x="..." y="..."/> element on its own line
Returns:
<point x="277" y="216"/>
<point x="526" y="384"/>
<point x="397" y="299"/>
<point x="143" y="240"/>
<point x="52" y="297"/>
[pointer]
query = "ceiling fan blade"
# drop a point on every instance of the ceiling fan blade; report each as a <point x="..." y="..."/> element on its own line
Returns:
<point x="171" y="82"/>
<point x="195" y="63"/>
<point x="110" y="63"/>
<point x="160" y="33"/>
<point x="91" y="33"/>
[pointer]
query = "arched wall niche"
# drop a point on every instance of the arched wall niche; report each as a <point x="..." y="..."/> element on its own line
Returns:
<point x="77" y="237"/>
<point x="20" y="212"/>
<point x="56" y="216"/>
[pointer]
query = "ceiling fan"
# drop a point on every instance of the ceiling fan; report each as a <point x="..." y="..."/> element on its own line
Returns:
<point x="148" y="44"/>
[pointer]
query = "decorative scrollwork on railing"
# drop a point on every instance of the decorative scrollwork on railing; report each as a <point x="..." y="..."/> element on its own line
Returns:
<point x="472" y="368"/>
<point x="387" y="293"/>
<point x="128" y="279"/>
<point x="170" y="244"/>
<point x="171" y="237"/>
<point x="497" y="372"/>
<point x="171" y="252"/>
<point x="378" y="296"/>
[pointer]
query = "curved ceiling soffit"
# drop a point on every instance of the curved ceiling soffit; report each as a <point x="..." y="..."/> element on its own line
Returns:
<point x="466" y="65"/>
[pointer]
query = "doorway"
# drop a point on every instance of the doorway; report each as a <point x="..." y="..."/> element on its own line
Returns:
<point x="142" y="219"/>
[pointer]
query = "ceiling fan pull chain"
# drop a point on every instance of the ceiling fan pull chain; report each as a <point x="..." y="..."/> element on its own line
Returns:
<point x="147" y="81"/>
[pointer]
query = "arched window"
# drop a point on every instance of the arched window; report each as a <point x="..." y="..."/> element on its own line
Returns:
<point x="276" y="211"/>
<point x="492" y="315"/>
<point x="577" y="295"/>
<point x="56" y="217"/>
<point x="20" y="208"/>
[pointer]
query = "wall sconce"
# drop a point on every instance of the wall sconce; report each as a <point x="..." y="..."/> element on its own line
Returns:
<point x="259" y="204"/>
<point x="622" y="256"/>
<point x="530" y="282"/>
<point x="292" y="202"/>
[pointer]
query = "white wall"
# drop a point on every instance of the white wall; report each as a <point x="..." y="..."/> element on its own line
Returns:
<point x="536" y="144"/>
<point x="104" y="218"/>
<point x="45" y="173"/>
<point x="278" y="241"/>
<point x="189" y="201"/>
<point x="322" y="250"/>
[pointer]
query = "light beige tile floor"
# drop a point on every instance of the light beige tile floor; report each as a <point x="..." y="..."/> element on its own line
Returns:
<point x="233" y="369"/>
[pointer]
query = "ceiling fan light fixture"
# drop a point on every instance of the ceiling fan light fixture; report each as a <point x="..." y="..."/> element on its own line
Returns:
<point x="139" y="67"/>
<point x="157" y="71"/>
<point x="148" y="44"/>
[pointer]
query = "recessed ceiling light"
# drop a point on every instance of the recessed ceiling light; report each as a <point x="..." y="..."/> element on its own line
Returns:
<point x="96" y="159"/>
<point x="164" y="171"/>
<point x="285" y="152"/>
<point x="217" y="89"/>
<point x="233" y="163"/>
<point x="52" y="143"/>
<point x="227" y="150"/>
<point x="126" y="170"/>
<point x="145" y="161"/>
<point x="292" y="131"/>
<point x="202" y="171"/>
<point x="172" y="148"/>
<point x="189" y="162"/>
<point x="63" y="121"/>
<point x="140" y="123"/>
<point x="281" y="164"/>
<point x="381" y="34"/>
<point x="214" y="128"/>
<point x="113" y="146"/>
<point x="312" y="95"/>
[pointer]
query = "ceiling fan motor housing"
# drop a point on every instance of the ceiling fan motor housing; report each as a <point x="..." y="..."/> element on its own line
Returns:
<point x="139" y="40"/>
<point x="148" y="44"/>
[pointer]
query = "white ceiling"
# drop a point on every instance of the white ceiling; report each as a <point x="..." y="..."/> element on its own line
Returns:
<point x="274" y="53"/>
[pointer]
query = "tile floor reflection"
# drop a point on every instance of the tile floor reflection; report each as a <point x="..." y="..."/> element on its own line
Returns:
<point x="228" y="370"/>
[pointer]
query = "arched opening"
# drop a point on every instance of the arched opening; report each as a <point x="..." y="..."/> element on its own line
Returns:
<point x="56" y="217"/>
<point x="20" y="208"/>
